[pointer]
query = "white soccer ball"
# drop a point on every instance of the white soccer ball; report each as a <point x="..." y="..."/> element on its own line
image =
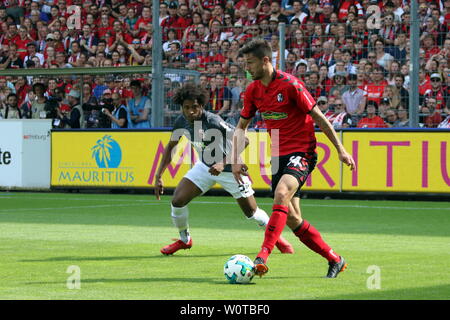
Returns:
<point x="239" y="269"/>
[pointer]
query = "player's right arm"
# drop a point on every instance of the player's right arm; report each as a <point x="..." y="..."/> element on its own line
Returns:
<point x="165" y="161"/>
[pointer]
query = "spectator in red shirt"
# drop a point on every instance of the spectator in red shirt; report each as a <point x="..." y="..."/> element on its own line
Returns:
<point x="184" y="19"/>
<point x="437" y="92"/>
<point x="430" y="117"/>
<point x="371" y="120"/>
<point x="424" y="82"/>
<point x="62" y="8"/>
<point x="55" y="41"/>
<point x="344" y="9"/>
<point x="375" y="88"/>
<point x="315" y="14"/>
<point x="263" y="10"/>
<point x="172" y="21"/>
<point x="142" y="22"/>
<point x="22" y="87"/>
<point x="120" y="35"/>
<point x="12" y="35"/>
<point x="54" y="13"/>
<point x="204" y="58"/>
<point x="446" y="13"/>
<point x="215" y="55"/>
<point x="50" y="57"/>
<point x="431" y="27"/>
<point x="136" y="5"/>
<point x="247" y="3"/>
<point x="24" y="39"/>
<point x="429" y="46"/>
<point x="104" y="26"/>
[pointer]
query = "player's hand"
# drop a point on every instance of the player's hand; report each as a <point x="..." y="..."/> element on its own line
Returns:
<point x="216" y="169"/>
<point x="238" y="171"/>
<point x="159" y="188"/>
<point x="347" y="159"/>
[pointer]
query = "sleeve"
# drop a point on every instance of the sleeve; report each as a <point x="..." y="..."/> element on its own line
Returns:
<point x="222" y="125"/>
<point x="148" y="104"/>
<point x="122" y="113"/>
<point x="303" y="99"/>
<point x="249" y="109"/>
<point x="179" y="129"/>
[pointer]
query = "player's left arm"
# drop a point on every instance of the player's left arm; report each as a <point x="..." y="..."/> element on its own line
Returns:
<point x="331" y="134"/>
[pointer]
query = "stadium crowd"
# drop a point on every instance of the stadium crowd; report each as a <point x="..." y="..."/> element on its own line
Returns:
<point x="353" y="56"/>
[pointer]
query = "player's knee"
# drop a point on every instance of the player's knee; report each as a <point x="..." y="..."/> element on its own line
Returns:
<point x="282" y="195"/>
<point x="178" y="202"/>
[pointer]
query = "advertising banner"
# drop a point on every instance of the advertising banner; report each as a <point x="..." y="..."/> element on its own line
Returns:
<point x="10" y="153"/>
<point x="386" y="161"/>
<point x="398" y="161"/>
<point x="25" y="153"/>
<point x="114" y="158"/>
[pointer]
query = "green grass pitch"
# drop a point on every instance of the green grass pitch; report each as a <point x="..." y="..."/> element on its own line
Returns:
<point x="114" y="242"/>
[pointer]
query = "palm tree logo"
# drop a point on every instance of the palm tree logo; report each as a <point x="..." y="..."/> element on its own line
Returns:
<point x="107" y="153"/>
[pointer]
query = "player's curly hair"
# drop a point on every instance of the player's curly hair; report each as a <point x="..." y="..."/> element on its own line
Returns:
<point x="191" y="91"/>
<point x="260" y="48"/>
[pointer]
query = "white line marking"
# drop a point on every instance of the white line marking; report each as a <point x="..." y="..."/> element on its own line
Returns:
<point x="78" y="207"/>
<point x="227" y="203"/>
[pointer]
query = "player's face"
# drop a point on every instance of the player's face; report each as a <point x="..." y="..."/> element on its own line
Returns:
<point x="255" y="66"/>
<point x="192" y="110"/>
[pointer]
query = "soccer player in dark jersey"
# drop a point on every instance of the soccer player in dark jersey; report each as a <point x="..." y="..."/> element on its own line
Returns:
<point x="289" y="111"/>
<point x="211" y="137"/>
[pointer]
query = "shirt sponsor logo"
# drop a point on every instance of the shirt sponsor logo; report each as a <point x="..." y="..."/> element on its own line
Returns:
<point x="274" y="115"/>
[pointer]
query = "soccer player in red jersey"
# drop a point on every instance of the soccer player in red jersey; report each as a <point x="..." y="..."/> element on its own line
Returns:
<point x="286" y="106"/>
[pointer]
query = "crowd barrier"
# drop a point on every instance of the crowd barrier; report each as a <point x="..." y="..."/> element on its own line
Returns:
<point x="415" y="161"/>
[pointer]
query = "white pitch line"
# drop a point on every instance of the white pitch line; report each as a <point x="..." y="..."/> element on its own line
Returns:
<point x="233" y="203"/>
<point x="336" y="206"/>
<point x="77" y="207"/>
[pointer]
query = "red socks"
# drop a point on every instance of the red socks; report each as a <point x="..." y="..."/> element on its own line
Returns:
<point x="305" y="232"/>
<point x="313" y="240"/>
<point x="274" y="228"/>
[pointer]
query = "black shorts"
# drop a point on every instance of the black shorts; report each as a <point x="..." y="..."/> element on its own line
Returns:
<point x="297" y="164"/>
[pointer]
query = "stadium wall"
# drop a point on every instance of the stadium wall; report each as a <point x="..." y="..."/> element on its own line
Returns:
<point x="388" y="161"/>
<point x="25" y="154"/>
